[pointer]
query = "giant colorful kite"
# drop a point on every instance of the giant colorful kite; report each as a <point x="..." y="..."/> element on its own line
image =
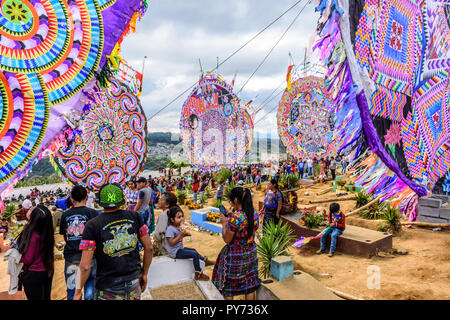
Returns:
<point x="110" y="143"/>
<point x="50" y="51"/>
<point x="305" y="118"/>
<point x="390" y="59"/>
<point x="216" y="126"/>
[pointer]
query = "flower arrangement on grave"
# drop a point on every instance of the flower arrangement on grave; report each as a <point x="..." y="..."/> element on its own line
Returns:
<point x="213" y="216"/>
<point x="310" y="217"/>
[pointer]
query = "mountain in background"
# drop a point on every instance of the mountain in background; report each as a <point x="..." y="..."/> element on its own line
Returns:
<point x="160" y="147"/>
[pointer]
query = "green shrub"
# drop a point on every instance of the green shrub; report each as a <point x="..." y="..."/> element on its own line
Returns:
<point x="203" y="199"/>
<point x="392" y="216"/>
<point x="224" y="175"/>
<point x="311" y="218"/>
<point x="227" y="190"/>
<point x="293" y="180"/>
<point x="181" y="196"/>
<point x="9" y="211"/>
<point x="375" y="211"/>
<point x="382" y="227"/>
<point x="17" y="230"/>
<point x="283" y="182"/>
<point x="208" y="192"/>
<point x="362" y="199"/>
<point x="217" y="204"/>
<point x="274" y="241"/>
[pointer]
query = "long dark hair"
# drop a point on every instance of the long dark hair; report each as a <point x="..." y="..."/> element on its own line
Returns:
<point x="244" y="197"/>
<point x="170" y="199"/>
<point x="275" y="184"/>
<point x="173" y="213"/>
<point x="42" y="223"/>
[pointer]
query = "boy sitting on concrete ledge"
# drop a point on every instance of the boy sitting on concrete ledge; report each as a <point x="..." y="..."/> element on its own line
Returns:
<point x="336" y="220"/>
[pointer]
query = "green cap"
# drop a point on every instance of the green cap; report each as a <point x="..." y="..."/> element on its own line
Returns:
<point x="111" y="196"/>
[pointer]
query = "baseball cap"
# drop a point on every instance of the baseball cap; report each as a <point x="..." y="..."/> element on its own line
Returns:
<point x="111" y="196"/>
<point x="142" y="179"/>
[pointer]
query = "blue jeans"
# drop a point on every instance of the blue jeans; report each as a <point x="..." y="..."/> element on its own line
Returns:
<point x="189" y="253"/>
<point x="145" y="216"/>
<point x="195" y="197"/>
<point x="335" y="233"/>
<point x="344" y="167"/>
<point x="70" y="273"/>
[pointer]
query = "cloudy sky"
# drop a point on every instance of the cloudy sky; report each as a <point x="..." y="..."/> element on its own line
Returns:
<point x="175" y="34"/>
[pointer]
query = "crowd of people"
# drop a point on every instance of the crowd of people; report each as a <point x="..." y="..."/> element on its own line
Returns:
<point x="102" y="247"/>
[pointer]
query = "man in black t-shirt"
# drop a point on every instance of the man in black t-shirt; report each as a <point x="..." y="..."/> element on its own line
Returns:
<point x="71" y="226"/>
<point x="112" y="237"/>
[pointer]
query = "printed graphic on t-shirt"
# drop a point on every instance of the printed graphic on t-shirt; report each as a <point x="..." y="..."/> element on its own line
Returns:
<point x="125" y="238"/>
<point x="75" y="227"/>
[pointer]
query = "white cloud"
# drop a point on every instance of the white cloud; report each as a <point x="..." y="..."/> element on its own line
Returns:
<point x="175" y="34"/>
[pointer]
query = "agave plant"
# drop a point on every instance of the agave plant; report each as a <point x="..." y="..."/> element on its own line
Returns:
<point x="227" y="190"/>
<point x="217" y="204"/>
<point x="224" y="175"/>
<point x="362" y="199"/>
<point x="181" y="196"/>
<point x="203" y="199"/>
<point x="293" y="180"/>
<point x="9" y="211"/>
<point x="274" y="241"/>
<point x="283" y="182"/>
<point x="375" y="211"/>
<point x="392" y="216"/>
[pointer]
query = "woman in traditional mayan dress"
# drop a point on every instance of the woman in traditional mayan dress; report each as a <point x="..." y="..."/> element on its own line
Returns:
<point x="236" y="269"/>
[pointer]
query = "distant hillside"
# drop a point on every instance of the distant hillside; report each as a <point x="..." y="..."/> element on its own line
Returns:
<point x="159" y="155"/>
<point x="163" y="137"/>
<point x="169" y="138"/>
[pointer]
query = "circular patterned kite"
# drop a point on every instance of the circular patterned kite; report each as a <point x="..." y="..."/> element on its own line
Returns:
<point x="59" y="40"/>
<point x="110" y="143"/>
<point x="49" y="51"/>
<point x="304" y="118"/>
<point x="216" y="126"/>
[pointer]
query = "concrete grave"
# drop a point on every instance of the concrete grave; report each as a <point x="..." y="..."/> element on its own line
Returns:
<point x="434" y="208"/>
<point x="167" y="271"/>
<point x="198" y="217"/>
<point x="354" y="241"/>
<point x="300" y="286"/>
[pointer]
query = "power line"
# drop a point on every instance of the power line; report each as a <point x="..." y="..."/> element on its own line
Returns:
<point x="266" y="101"/>
<point x="271" y="50"/>
<point x="270" y="109"/>
<point x="259" y="33"/>
<point x="228" y="58"/>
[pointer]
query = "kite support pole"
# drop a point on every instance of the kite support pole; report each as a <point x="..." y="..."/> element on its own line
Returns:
<point x="364" y="207"/>
<point x="332" y="199"/>
<point x="325" y="191"/>
<point x="343" y="295"/>
<point x="426" y="224"/>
